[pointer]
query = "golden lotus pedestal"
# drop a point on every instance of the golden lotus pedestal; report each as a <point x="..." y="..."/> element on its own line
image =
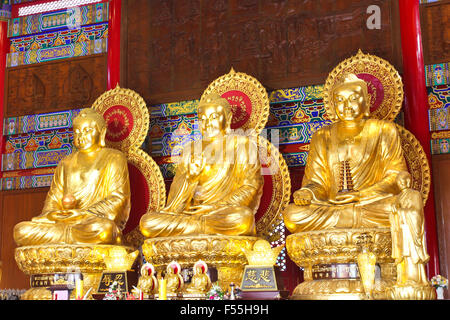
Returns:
<point x="324" y="254"/>
<point x="42" y="262"/>
<point x="221" y="252"/>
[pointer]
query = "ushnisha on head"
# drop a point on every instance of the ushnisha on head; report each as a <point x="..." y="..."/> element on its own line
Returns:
<point x="214" y="114"/>
<point x="351" y="98"/>
<point x="89" y="129"/>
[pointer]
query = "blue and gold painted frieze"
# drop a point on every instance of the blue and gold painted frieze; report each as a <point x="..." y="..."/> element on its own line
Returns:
<point x="38" y="141"/>
<point x="34" y="159"/>
<point x="292" y="113"/>
<point x="79" y="49"/>
<point x="440" y="146"/>
<point x="39" y="122"/>
<point x="439" y="102"/>
<point x="307" y="93"/>
<point x="26" y="182"/>
<point x="59" y="38"/>
<point x="58" y="20"/>
<point x="437" y="74"/>
<point x="174" y="109"/>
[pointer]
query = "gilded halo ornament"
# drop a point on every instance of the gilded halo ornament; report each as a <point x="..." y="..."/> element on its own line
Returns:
<point x="417" y="162"/>
<point x="126" y="116"/>
<point x="384" y="84"/>
<point x="149" y="183"/>
<point x="276" y="189"/>
<point x="248" y="99"/>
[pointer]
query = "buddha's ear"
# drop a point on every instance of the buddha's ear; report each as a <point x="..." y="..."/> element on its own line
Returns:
<point x="229" y="118"/>
<point x="103" y="137"/>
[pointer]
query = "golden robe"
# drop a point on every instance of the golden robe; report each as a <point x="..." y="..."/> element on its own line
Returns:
<point x="374" y="171"/>
<point x="102" y="190"/>
<point x="228" y="191"/>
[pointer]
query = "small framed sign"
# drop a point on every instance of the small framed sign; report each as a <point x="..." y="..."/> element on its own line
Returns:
<point x="125" y="279"/>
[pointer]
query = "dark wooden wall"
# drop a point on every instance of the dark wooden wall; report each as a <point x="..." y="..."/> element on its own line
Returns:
<point x="441" y="177"/>
<point x="55" y="85"/>
<point x="435" y="21"/>
<point x="16" y="206"/>
<point x="175" y="48"/>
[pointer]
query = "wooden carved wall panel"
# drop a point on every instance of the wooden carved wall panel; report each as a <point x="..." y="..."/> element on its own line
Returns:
<point x="56" y="85"/>
<point x="441" y="176"/>
<point x="177" y="47"/>
<point x="435" y="20"/>
<point x="16" y="206"/>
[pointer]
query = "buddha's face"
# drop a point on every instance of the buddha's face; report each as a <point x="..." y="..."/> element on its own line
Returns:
<point x="87" y="135"/>
<point x="213" y="120"/>
<point x="350" y="101"/>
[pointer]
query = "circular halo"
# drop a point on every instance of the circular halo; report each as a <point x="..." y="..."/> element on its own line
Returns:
<point x="202" y="264"/>
<point x="276" y="190"/>
<point x="383" y="81"/>
<point x="175" y="266"/>
<point x="417" y="162"/>
<point x="154" y="197"/>
<point x="153" y="176"/>
<point x="126" y="116"/>
<point x="149" y="268"/>
<point x="248" y="99"/>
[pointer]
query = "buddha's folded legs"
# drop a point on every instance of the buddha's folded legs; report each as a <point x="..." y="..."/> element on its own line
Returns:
<point x="31" y="233"/>
<point x="232" y="220"/>
<point x="92" y="230"/>
<point x="321" y="217"/>
<point x="95" y="230"/>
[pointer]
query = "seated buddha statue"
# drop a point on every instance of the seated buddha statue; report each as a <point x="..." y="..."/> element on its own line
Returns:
<point x="350" y="179"/>
<point x="200" y="282"/>
<point x="89" y="198"/>
<point x="216" y="192"/>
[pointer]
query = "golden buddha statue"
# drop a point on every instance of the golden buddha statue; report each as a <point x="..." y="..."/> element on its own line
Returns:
<point x="175" y="282"/>
<point x="356" y="178"/>
<point x="408" y="235"/>
<point x="200" y="282"/>
<point x="353" y="164"/>
<point x="216" y="192"/>
<point x="89" y="199"/>
<point x="148" y="283"/>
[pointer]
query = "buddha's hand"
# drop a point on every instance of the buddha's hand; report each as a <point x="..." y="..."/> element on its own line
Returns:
<point x="195" y="166"/>
<point x="303" y="197"/>
<point x="200" y="209"/>
<point x="345" y="198"/>
<point x="66" y="215"/>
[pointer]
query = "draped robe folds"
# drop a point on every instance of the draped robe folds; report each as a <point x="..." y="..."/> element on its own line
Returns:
<point x="374" y="172"/>
<point x="102" y="190"/>
<point x="408" y="238"/>
<point x="229" y="188"/>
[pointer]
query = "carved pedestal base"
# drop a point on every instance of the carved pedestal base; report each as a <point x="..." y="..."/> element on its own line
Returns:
<point x="221" y="252"/>
<point x="47" y="260"/>
<point x="425" y="292"/>
<point x="338" y="289"/>
<point x="314" y="249"/>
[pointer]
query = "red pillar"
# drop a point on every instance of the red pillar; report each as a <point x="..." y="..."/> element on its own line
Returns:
<point x="416" y="108"/>
<point x="4" y="49"/>
<point x="115" y="7"/>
